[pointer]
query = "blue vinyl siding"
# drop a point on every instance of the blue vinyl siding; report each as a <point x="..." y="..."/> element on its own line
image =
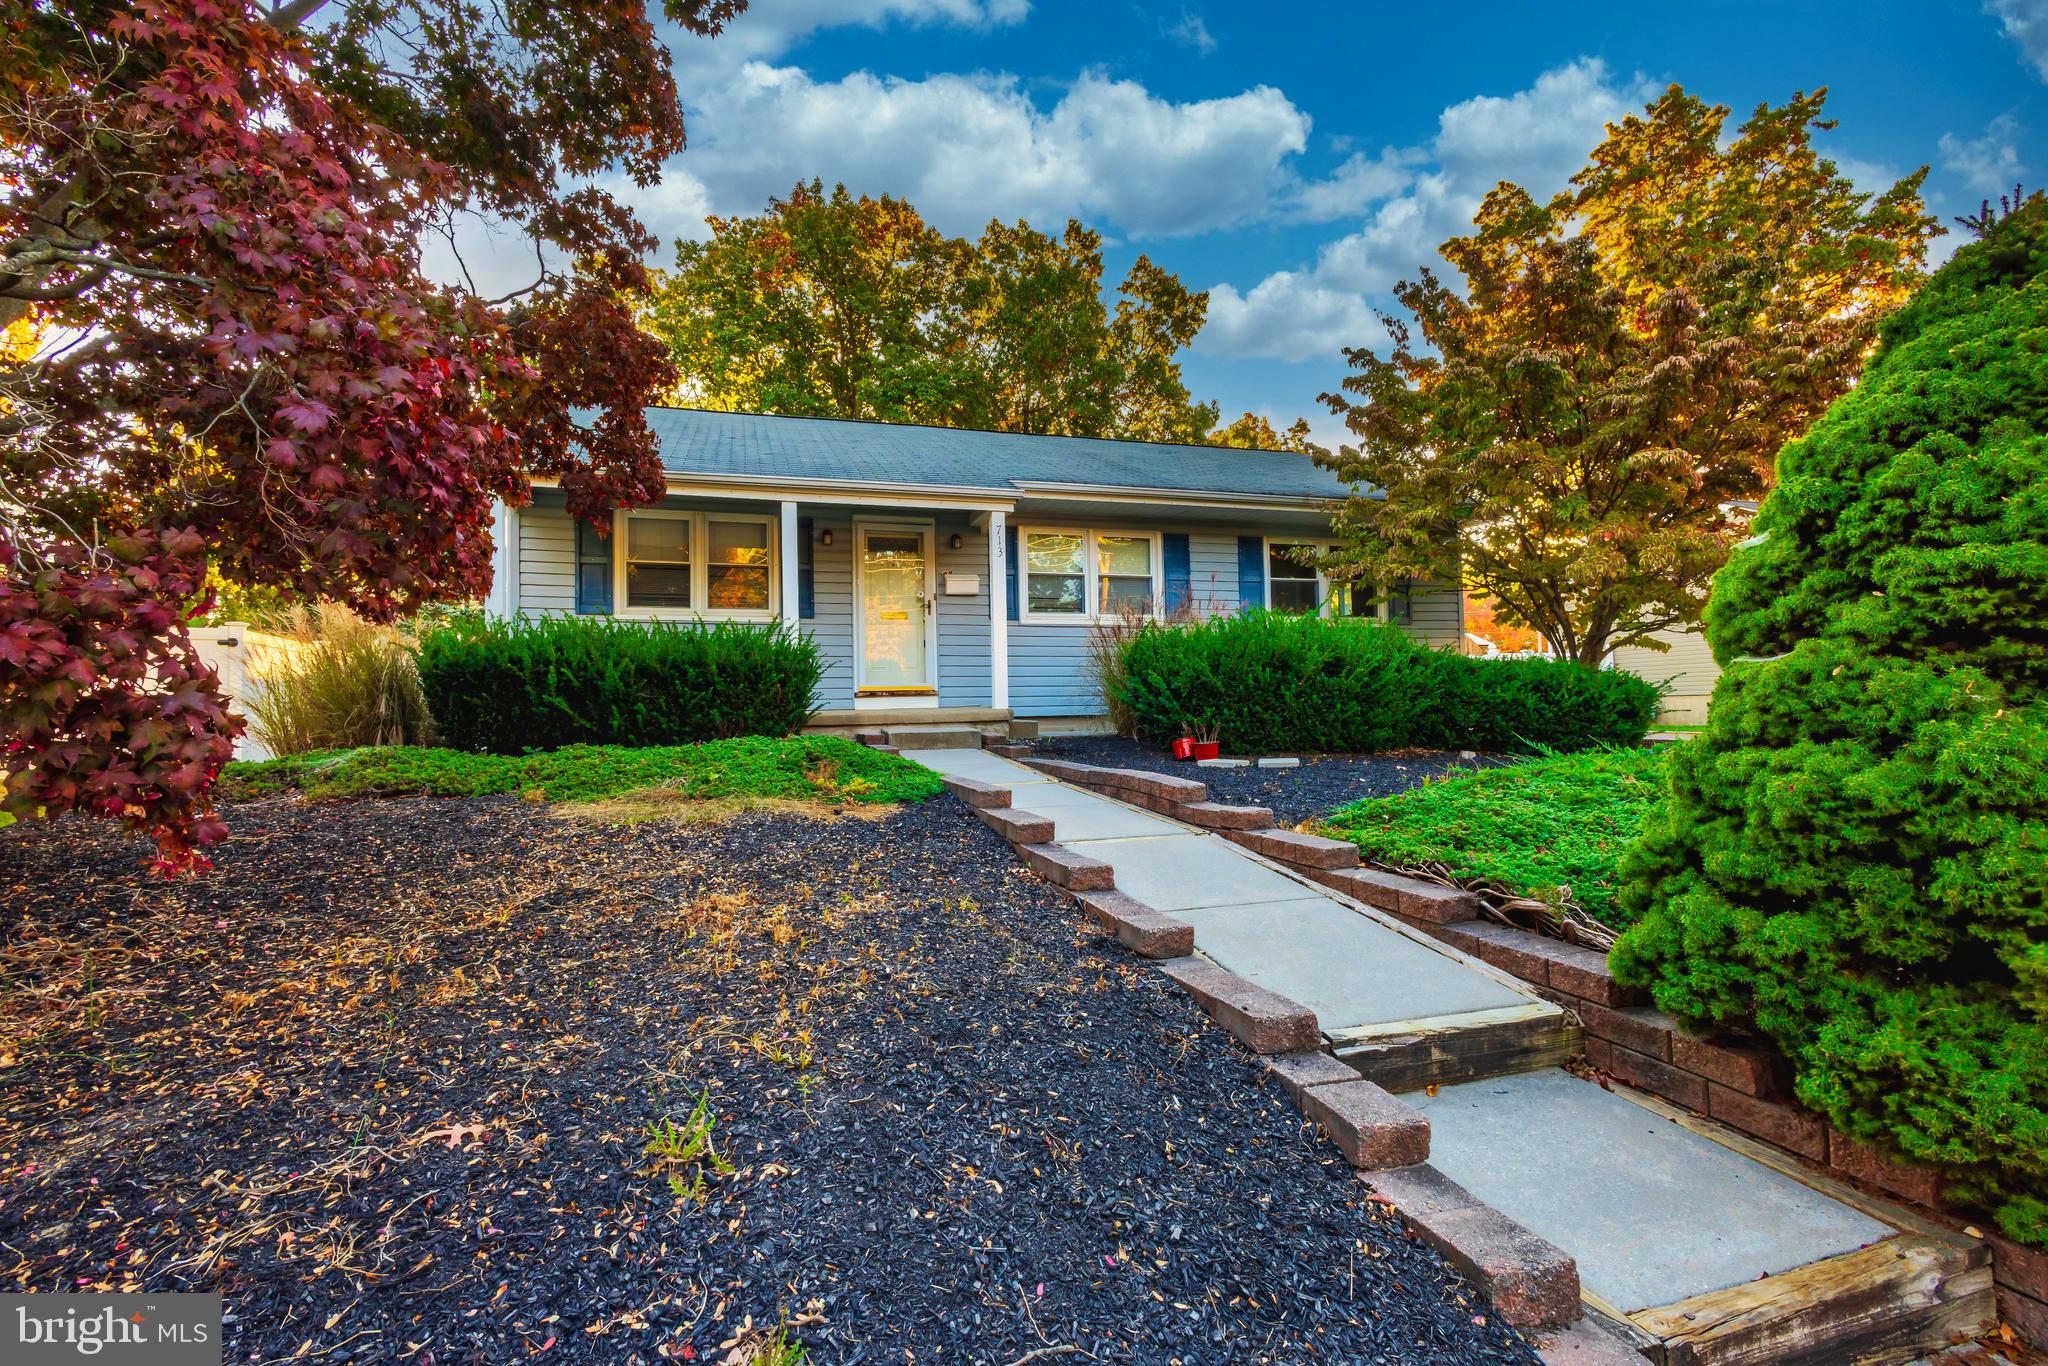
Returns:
<point x="965" y="671"/>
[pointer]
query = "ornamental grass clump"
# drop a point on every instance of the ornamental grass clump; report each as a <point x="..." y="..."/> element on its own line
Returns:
<point x="1852" y="859"/>
<point x="346" y="682"/>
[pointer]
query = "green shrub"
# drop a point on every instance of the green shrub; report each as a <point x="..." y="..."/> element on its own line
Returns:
<point x="1853" y="856"/>
<point x="506" y="687"/>
<point x="1511" y="706"/>
<point x="1264" y="681"/>
<point x="1552" y="829"/>
<point x="801" y="767"/>
<point x="348" y="683"/>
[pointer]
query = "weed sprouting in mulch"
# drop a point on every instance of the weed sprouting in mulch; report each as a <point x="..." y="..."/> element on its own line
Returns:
<point x="467" y="1080"/>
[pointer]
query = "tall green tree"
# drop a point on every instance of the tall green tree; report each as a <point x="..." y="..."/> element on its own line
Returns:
<point x="824" y="306"/>
<point x="832" y="305"/>
<point x="1572" y="432"/>
<point x="1253" y="432"/>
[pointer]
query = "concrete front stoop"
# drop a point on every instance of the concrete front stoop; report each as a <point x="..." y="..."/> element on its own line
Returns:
<point x="1425" y="1043"/>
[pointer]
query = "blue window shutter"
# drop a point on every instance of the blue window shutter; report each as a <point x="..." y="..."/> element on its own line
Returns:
<point x="1251" y="572"/>
<point x="1010" y="570"/>
<point x="806" y="571"/>
<point x="1399" y="609"/>
<point x="1179" y="570"/>
<point x="593" y="571"/>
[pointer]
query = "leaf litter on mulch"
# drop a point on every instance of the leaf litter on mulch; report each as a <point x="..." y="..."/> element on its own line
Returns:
<point x="385" y="1079"/>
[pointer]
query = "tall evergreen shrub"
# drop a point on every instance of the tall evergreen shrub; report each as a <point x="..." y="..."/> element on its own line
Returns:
<point x="509" y="687"/>
<point x="1853" y="858"/>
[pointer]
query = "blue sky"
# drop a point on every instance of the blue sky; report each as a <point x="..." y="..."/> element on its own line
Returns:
<point x="1298" y="159"/>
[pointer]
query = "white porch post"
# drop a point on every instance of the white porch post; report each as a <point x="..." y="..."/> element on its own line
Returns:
<point x="998" y="610"/>
<point x="503" y="599"/>
<point x="788" y="552"/>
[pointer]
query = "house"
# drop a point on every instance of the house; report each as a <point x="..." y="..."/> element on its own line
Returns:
<point x="948" y="575"/>
<point x="1687" y="668"/>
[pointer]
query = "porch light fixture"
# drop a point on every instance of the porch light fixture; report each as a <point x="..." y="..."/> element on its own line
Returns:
<point x="957" y="541"/>
<point x="825" y="536"/>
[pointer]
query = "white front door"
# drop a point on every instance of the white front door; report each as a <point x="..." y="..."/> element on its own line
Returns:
<point x="894" y="568"/>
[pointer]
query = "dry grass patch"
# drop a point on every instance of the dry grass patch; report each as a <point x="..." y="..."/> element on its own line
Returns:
<point x="672" y="806"/>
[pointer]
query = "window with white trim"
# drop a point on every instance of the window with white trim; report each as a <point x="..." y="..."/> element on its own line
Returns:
<point x="736" y="568"/>
<point x="697" y="564"/>
<point x="1124" y="574"/>
<point x="1294" y="584"/>
<point x="657" y="561"/>
<point x="1082" y="575"/>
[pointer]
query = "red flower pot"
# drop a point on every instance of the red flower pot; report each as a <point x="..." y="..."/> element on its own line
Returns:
<point x="1184" y="748"/>
<point x="1208" y="749"/>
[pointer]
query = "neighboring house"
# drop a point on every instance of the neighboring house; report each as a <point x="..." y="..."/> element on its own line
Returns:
<point x="948" y="575"/>
<point x="1688" y="667"/>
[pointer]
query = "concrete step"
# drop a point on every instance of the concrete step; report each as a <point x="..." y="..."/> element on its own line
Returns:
<point x="1447" y="1050"/>
<point x="933" y="737"/>
<point x="1694" y="1245"/>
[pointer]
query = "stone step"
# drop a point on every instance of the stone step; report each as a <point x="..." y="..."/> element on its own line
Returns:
<point x="1449" y="1050"/>
<point x="933" y="737"/>
<point x="1695" y="1244"/>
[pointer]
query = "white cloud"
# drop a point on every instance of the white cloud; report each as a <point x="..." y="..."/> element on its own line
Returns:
<point x="2026" y="23"/>
<point x="1191" y="30"/>
<point x="1287" y="316"/>
<point x="1536" y="137"/>
<point x="1357" y="184"/>
<point x="967" y="148"/>
<point x="1988" y="164"/>
<point x="770" y="28"/>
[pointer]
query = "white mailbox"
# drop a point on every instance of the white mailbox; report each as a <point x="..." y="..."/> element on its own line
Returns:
<point x="961" y="585"/>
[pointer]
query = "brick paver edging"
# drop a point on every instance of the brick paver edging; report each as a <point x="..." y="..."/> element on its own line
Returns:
<point x="1749" y="1089"/>
<point x="1380" y="1134"/>
<point x="1533" y="1283"/>
<point x="1183" y="799"/>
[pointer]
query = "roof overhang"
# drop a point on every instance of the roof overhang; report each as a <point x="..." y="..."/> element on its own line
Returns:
<point x="853" y="492"/>
<point x="1115" y="493"/>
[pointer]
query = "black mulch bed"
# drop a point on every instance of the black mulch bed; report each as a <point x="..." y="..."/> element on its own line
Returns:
<point x="385" y="1080"/>
<point x="1318" y="787"/>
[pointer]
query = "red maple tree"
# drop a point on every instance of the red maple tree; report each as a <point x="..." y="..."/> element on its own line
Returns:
<point x="214" y="216"/>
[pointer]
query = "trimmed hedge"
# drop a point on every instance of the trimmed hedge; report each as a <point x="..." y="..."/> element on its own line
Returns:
<point x="1853" y="856"/>
<point x="510" y="687"/>
<point x="1267" y="681"/>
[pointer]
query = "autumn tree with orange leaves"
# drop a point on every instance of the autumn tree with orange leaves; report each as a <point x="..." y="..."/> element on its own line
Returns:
<point x="1567" y="432"/>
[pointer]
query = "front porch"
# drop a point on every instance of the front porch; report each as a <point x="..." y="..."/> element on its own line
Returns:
<point x="905" y="597"/>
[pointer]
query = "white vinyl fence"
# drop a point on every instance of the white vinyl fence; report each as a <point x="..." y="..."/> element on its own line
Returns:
<point x="242" y="655"/>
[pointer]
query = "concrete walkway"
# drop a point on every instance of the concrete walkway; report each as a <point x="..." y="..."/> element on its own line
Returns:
<point x="1652" y="1211"/>
<point x="1283" y="932"/>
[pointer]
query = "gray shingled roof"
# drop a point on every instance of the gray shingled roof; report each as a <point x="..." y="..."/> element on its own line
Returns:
<point x="699" y="444"/>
